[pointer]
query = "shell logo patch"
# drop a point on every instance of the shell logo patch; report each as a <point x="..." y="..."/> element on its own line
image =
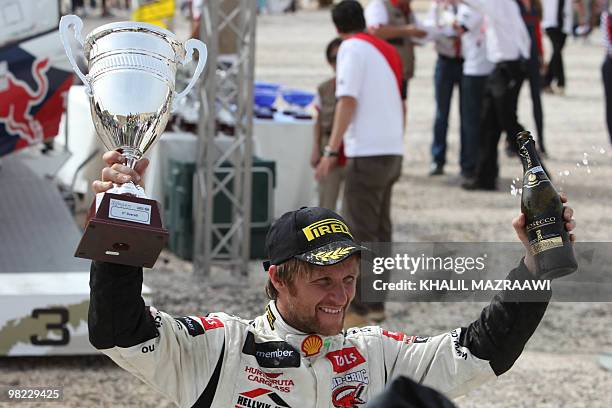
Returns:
<point x="312" y="345"/>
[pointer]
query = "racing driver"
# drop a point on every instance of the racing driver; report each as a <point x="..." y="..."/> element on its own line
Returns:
<point x="296" y="354"/>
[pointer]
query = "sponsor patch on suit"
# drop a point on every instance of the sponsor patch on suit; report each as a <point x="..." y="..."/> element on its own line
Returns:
<point x="192" y="324"/>
<point x="271" y="354"/>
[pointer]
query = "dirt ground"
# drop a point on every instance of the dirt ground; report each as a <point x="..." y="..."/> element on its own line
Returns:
<point x="559" y="367"/>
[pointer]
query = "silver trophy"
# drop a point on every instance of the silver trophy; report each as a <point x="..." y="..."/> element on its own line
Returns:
<point x="131" y="89"/>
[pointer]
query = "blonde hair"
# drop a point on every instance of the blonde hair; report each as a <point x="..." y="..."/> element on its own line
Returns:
<point x="289" y="270"/>
<point x="286" y="273"/>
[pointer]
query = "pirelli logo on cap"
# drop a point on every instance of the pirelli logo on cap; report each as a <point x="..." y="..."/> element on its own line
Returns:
<point x="326" y="226"/>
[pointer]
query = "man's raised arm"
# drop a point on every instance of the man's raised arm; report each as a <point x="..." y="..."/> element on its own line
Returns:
<point x="117" y="313"/>
<point x="457" y="361"/>
<point x="181" y="358"/>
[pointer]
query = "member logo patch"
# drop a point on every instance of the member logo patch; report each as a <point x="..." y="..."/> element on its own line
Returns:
<point x="260" y="398"/>
<point x="312" y="345"/>
<point x="345" y="359"/>
<point x="271" y="354"/>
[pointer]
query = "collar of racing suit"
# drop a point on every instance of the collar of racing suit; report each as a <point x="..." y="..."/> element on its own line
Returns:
<point x="309" y="345"/>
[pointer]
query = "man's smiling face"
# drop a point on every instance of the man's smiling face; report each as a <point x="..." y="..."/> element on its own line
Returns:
<point x="316" y="302"/>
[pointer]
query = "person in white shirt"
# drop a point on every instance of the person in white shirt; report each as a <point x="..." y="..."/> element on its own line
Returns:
<point x="558" y="22"/>
<point x="369" y="119"/>
<point x="532" y="14"/>
<point x="447" y="75"/>
<point x="394" y="21"/>
<point x="196" y="14"/>
<point x="476" y="69"/>
<point x="508" y="47"/>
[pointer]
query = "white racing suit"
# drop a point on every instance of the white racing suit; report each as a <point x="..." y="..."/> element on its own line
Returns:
<point x="218" y="360"/>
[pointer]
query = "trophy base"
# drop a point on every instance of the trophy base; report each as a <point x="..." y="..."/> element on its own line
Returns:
<point x="125" y="230"/>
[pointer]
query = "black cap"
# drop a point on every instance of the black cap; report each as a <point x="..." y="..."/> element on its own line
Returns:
<point x="313" y="234"/>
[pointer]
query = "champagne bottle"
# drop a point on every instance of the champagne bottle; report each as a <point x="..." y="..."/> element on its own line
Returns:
<point x="549" y="241"/>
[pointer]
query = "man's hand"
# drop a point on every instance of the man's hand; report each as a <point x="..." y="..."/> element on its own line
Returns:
<point x="345" y="108"/>
<point x="118" y="173"/>
<point x="519" y="226"/>
<point x="326" y="164"/>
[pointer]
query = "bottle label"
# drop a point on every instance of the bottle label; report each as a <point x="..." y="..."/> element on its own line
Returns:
<point x="541" y="246"/>
<point x="536" y="224"/>
<point x="534" y="177"/>
<point x="543" y="235"/>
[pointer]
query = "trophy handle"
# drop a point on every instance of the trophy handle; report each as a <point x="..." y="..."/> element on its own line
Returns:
<point x="65" y="23"/>
<point x="190" y="45"/>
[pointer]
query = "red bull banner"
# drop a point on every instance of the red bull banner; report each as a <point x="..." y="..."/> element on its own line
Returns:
<point x="34" y="82"/>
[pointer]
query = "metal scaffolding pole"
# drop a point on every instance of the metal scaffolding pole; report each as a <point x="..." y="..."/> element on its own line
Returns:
<point x="224" y="160"/>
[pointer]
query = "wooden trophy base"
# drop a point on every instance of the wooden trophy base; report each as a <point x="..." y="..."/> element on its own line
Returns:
<point x="125" y="230"/>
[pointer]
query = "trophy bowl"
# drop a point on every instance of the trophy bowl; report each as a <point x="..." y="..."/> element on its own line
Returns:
<point x="301" y="99"/>
<point x="131" y="88"/>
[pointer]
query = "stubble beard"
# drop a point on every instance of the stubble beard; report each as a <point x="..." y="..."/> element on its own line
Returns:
<point x="305" y="324"/>
<point x="310" y="323"/>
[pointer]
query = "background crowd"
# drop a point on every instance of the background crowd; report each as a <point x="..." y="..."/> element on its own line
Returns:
<point x="485" y="49"/>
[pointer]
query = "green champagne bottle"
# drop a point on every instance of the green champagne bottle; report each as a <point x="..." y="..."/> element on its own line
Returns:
<point x="549" y="241"/>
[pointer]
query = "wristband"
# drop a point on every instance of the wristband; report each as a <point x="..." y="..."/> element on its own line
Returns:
<point x="328" y="152"/>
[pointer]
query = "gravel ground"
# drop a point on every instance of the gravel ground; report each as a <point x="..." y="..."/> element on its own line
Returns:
<point x="559" y="367"/>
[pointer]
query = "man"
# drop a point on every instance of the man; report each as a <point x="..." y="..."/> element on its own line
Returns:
<point x="447" y="75"/>
<point x="476" y="69"/>
<point x="394" y="21"/>
<point x="369" y="119"/>
<point x="296" y="354"/>
<point x="532" y="14"/>
<point x="558" y="23"/>
<point x="329" y="187"/>
<point x="508" y="47"/>
<point x="196" y="16"/>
